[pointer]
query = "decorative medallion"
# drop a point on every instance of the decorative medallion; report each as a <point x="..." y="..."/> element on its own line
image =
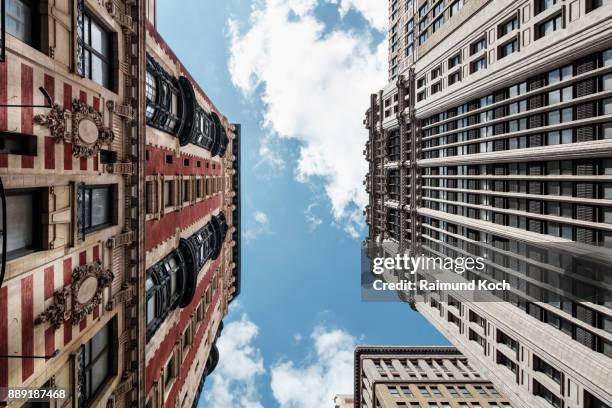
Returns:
<point x="83" y="127"/>
<point x="79" y="299"/>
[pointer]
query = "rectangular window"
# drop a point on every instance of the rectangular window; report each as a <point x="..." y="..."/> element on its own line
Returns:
<point x="18" y="143"/>
<point x="95" y="207"/>
<point x="19" y="21"/>
<point x="97" y="363"/>
<point x="549" y="26"/>
<point x="454" y="61"/>
<point x="507" y="27"/>
<point x="508" y="48"/>
<point x="23" y="235"/>
<point x="169" y="372"/>
<point x="95" y="49"/>
<point x="541" y="5"/>
<point x="595" y="4"/>
<point x="454" y="77"/>
<point x="478" y="65"/>
<point x="168" y="193"/>
<point x="455" y="7"/>
<point x="438" y="23"/>
<point x="478" y="46"/>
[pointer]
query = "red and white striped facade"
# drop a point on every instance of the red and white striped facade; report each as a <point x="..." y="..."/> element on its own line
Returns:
<point x="215" y="286"/>
<point x="32" y="279"/>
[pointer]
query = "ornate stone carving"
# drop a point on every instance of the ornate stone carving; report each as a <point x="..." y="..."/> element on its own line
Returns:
<point x="55" y="120"/>
<point x="83" y="127"/>
<point x="80" y="298"/>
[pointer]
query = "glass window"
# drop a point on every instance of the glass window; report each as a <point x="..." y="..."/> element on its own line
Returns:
<point x="455" y="7"/>
<point x="151" y="91"/>
<point x="607" y="130"/>
<point x="554" y="97"/>
<point x="96" y="207"/>
<point x="96" y="363"/>
<point x="566" y="115"/>
<point x="607" y="106"/>
<point x="554" y="138"/>
<point x="567" y="136"/>
<point x="554" y="117"/>
<point x="550" y="26"/>
<point x="95" y="59"/>
<point x="18" y="20"/>
<point x="607" y="57"/>
<point x="607" y="82"/>
<point x="22" y="233"/>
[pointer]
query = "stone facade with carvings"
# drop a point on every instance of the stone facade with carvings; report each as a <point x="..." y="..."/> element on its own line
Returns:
<point x="491" y="140"/>
<point x="68" y="163"/>
<point x="191" y="211"/>
<point x="120" y="209"/>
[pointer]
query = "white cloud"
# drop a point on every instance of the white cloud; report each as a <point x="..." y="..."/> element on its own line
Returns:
<point x="270" y="155"/>
<point x="312" y="220"/>
<point x="375" y="13"/>
<point x="258" y="226"/>
<point x="313" y="383"/>
<point x="234" y="382"/>
<point x="315" y="86"/>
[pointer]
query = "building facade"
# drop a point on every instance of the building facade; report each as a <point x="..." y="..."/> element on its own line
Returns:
<point x="420" y="377"/>
<point x="68" y="110"/>
<point x="492" y="140"/>
<point x="191" y="213"/>
<point x="120" y="209"/>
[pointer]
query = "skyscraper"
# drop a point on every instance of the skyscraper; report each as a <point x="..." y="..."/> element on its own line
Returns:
<point x="492" y="140"/>
<point x="419" y="377"/>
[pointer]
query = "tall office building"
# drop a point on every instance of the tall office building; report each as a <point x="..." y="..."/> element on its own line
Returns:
<point x="119" y="210"/>
<point x="493" y="139"/>
<point x="420" y="377"/>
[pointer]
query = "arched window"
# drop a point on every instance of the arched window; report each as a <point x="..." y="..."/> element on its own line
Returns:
<point x="164" y="99"/>
<point x="165" y="286"/>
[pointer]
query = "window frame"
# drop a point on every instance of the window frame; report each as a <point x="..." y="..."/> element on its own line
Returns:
<point x="37" y="242"/>
<point x="85" y="229"/>
<point x="110" y="349"/>
<point x="83" y="47"/>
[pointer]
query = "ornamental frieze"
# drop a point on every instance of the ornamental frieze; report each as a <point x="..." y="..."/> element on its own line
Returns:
<point x="83" y="127"/>
<point x="77" y="300"/>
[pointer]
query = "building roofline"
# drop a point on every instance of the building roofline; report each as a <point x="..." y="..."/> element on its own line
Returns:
<point x="184" y="71"/>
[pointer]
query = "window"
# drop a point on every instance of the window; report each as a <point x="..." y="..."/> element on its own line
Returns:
<point x="478" y="46"/>
<point x="421" y="82"/>
<point x="478" y="65"/>
<point x="454" y="77"/>
<point x="423" y="38"/>
<point x="438" y="23"/>
<point x="164" y="100"/>
<point x="94" y="48"/>
<point x="549" y="26"/>
<point x="435" y="88"/>
<point x="543" y="392"/>
<point x="508" y="48"/>
<point x="18" y="20"/>
<point x="543" y="367"/>
<point x="97" y="363"/>
<point x="455" y="7"/>
<point x="169" y="373"/>
<point x="94" y="207"/>
<point x="18" y="143"/>
<point x="23" y="235"/>
<point x="507" y="27"/>
<point x="409" y="37"/>
<point x="595" y="4"/>
<point x="454" y="61"/>
<point x="438" y="8"/>
<point x="541" y="5"/>
<point x="168" y="193"/>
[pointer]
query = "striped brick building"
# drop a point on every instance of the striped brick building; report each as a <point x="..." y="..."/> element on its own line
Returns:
<point x="85" y="172"/>
<point x="191" y="211"/>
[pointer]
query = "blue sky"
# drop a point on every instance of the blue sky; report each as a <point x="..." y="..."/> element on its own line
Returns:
<point x="296" y="74"/>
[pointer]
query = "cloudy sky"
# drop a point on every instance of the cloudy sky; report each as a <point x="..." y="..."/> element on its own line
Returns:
<point x="297" y="74"/>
